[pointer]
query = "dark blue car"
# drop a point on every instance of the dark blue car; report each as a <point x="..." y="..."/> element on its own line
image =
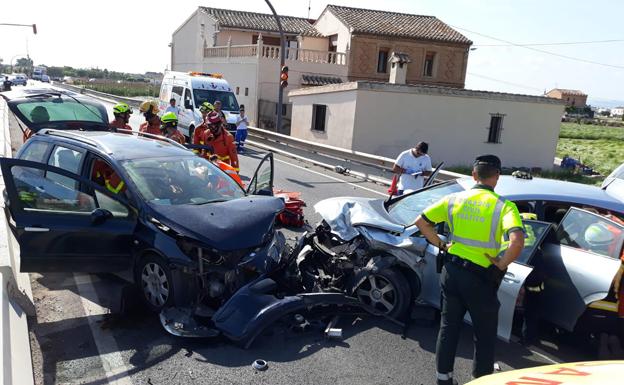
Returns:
<point x="110" y="202"/>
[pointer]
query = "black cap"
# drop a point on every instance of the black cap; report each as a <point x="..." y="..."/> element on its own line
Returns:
<point x="488" y="160"/>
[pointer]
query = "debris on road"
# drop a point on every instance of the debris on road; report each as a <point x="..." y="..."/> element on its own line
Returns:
<point x="260" y="365"/>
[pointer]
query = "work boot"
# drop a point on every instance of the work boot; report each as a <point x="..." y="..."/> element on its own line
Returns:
<point x="452" y="381"/>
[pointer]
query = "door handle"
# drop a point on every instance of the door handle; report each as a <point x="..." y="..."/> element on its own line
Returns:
<point x="40" y="189"/>
<point x="509" y="278"/>
<point x="36" y="229"/>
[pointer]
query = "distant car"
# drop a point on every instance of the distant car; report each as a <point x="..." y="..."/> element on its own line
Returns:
<point x="39" y="108"/>
<point x="19" y="80"/>
<point x="578" y="269"/>
<point x="45" y="78"/>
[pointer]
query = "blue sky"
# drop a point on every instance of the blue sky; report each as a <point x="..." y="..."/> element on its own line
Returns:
<point x="133" y="36"/>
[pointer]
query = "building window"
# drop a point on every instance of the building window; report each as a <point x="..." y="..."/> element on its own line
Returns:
<point x="246" y="91"/>
<point x="382" y="61"/>
<point x="333" y="43"/>
<point x="429" y="62"/>
<point x="319" y="111"/>
<point x="237" y="89"/>
<point x="496" y="126"/>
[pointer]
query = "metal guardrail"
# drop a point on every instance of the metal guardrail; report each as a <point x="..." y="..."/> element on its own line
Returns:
<point x="264" y="139"/>
<point x="350" y="156"/>
<point x="82" y="90"/>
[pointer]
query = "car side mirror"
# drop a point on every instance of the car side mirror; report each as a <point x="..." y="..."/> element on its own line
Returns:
<point x="99" y="216"/>
<point x="188" y="105"/>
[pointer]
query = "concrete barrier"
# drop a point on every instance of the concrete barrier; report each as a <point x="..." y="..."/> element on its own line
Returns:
<point x="15" y="291"/>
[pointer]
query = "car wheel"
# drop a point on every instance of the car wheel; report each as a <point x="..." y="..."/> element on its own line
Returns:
<point x="155" y="281"/>
<point x="387" y="292"/>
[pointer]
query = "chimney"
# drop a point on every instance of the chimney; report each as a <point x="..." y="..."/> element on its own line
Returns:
<point x="398" y="67"/>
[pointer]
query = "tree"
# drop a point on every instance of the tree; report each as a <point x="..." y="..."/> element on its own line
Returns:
<point x="25" y="65"/>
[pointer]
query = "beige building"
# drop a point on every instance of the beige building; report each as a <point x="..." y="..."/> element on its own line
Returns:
<point x="385" y="119"/>
<point x="572" y="98"/>
<point x="343" y="44"/>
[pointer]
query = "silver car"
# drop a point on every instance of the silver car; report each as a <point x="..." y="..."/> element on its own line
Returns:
<point x="577" y="272"/>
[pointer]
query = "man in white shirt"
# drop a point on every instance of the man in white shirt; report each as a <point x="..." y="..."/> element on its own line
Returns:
<point x="412" y="166"/>
<point x="173" y="108"/>
<point x="241" y="129"/>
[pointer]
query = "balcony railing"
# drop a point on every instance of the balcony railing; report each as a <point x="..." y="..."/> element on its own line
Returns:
<point x="273" y="52"/>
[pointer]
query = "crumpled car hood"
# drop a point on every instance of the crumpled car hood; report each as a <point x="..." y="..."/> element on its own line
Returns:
<point x="231" y="225"/>
<point x="343" y="214"/>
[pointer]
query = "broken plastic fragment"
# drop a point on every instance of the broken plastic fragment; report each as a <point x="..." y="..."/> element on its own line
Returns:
<point x="260" y="365"/>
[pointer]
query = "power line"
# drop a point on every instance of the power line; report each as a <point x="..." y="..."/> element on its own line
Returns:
<point x="543" y="51"/>
<point x="551" y="44"/>
<point x="505" y="82"/>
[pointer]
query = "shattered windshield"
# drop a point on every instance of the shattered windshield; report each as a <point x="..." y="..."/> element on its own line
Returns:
<point x="408" y="209"/>
<point x="189" y="180"/>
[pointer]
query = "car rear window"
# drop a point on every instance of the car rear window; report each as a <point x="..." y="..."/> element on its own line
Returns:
<point x="57" y="109"/>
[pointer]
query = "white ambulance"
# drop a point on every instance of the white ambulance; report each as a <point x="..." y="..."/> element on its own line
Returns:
<point x="190" y="90"/>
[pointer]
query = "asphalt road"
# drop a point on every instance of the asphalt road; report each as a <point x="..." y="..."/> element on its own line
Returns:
<point x="79" y="336"/>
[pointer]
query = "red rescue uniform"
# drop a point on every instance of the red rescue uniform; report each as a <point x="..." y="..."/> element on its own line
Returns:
<point x="224" y="147"/>
<point x="151" y="128"/>
<point x="120" y="125"/>
<point x="104" y="175"/>
<point x="231" y="171"/>
<point x="177" y="136"/>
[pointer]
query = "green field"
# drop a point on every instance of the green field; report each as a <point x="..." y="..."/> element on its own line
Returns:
<point x="127" y="89"/>
<point x="599" y="147"/>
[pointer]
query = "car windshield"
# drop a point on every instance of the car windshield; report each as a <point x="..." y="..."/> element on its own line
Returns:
<point x="180" y="181"/>
<point x="228" y="100"/>
<point x="41" y="110"/>
<point x="406" y="210"/>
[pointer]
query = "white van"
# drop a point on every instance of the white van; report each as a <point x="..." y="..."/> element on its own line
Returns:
<point x="190" y="90"/>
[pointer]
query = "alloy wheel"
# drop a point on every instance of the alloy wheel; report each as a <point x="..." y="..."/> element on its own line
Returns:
<point x="378" y="293"/>
<point x="155" y="284"/>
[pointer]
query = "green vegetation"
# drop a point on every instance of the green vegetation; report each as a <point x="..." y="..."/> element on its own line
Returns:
<point x="127" y="89"/>
<point x="566" y="175"/>
<point x="603" y="155"/>
<point x="592" y="132"/>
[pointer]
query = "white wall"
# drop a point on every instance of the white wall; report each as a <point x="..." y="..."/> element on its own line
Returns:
<point x="186" y="45"/>
<point x="456" y="127"/>
<point x="328" y="24"/>
<point x="341" y="108"/>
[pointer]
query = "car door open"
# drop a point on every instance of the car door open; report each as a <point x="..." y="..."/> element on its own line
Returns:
<point x="262" y="181"/>
<point x="64" y="222"/>
<point x="579" y="265"/>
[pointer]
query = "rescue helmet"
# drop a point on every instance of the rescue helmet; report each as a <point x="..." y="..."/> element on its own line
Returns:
<point x="206" y="107"/>
<point x="214" y="118"/>
<point x="598" y="234"/>
<point x="529" y="216"/>
<point x="149" y="105"/>
<point x="169" y="119"/>
<point x="122" y="108"/>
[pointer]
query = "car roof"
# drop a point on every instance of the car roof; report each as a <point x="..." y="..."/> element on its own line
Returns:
<point x="22" y="93"/>
<point x="117" y="145"/>
<point x="517" y="189"/>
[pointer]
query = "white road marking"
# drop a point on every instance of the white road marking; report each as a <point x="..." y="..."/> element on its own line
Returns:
<point x="332" y="178"/>
<point x="114" y="367"/>
<point x="544" y="357"/>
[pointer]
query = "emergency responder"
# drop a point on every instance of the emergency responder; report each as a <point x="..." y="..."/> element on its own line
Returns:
<point x="122" y="113"/>
<point x="6" y="84"/>
<point x="169" y="128"/>
<point x="221" y="141"/>
<point x="198" y="135"/>
<point x="231" y="171"/>
<point x="104" y="175"/>
<point x="217" y="108"/>
<point x="478" y="220"/>
<point x="149" y="109"/>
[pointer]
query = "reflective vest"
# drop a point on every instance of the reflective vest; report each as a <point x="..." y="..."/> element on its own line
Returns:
<point x="476" y="218"/>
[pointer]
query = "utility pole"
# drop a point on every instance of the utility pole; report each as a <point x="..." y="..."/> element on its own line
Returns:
<point x="280" y="96"/>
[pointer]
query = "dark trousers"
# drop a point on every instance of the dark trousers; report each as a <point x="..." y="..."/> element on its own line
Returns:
<point x="530" y="324"/>
<point x="462" y="291"/>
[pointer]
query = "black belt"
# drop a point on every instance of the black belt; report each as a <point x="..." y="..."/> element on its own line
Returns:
<point x="466" y="264"/>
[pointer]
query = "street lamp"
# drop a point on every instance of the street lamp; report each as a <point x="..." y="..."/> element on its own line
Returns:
<point x="33" y="26"/>
<point x="280" y="95"/>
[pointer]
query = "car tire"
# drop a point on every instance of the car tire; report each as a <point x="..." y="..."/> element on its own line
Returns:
<point x="155" y="282"/>
<point x="387" y="292"/>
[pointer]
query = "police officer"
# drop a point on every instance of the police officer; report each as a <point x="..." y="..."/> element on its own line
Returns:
<point x="478" y="219"/>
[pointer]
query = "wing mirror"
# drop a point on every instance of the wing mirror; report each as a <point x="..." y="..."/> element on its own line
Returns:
<point x="188" y="105"/>
<point x="99" y="216"/>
